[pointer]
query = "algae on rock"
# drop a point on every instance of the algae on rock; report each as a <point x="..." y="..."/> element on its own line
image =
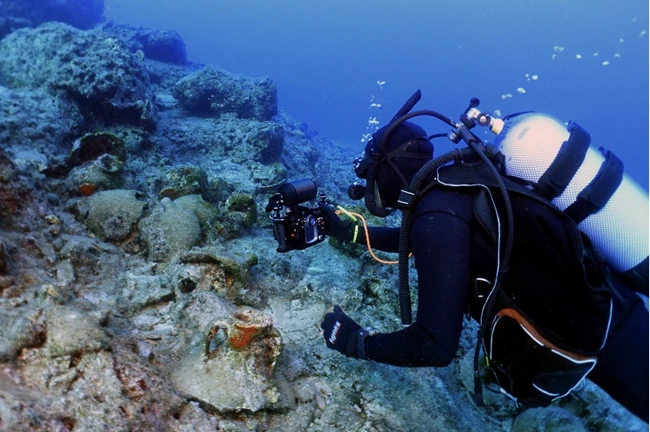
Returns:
<point x="240" y="215"/>
<point x="181" y="181"/>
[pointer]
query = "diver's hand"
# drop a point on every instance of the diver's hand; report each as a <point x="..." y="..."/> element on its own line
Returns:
<point x="341" y="332"/>
<point x="341" y="229"/>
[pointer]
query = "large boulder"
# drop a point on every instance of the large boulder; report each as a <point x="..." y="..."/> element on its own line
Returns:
<point x="164" y="45"/>
<point x="213" y="92"/>
<point x="82" y="14"/>
<point x="100" y="73"/>
<point x="35" y="125"/>
<point x="240" y="141"/>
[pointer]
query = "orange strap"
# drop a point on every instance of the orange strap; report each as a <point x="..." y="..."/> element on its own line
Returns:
<point x="365" y="230"/>
<point x="511" y="313"/>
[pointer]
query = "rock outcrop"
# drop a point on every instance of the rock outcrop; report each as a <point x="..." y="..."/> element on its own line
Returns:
<point x="82" y="14"/>
<point x="94" y="70"/>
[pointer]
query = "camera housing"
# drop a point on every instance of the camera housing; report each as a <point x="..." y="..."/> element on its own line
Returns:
<point x="296" y="227"/>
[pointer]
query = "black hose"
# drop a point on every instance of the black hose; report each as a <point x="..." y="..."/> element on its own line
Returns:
<point x="405" y="231"/>
<point x="505" y="262"/>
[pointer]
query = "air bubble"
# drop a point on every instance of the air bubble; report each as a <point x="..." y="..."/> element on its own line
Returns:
<point x="376" y="103"/>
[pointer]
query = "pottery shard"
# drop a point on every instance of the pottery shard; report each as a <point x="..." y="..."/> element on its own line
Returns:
<point x="233" y="369"/>
<point x="246" y="327"/>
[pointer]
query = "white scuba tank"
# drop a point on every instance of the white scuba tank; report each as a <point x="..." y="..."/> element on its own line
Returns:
<point x="530" y="143"/>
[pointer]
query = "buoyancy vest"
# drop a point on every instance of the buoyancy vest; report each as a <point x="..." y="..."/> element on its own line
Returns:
<point x="553" y="310"/>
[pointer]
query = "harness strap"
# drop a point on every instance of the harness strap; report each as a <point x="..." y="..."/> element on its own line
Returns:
<point x="601" y="188"/>
<point x="407" y="198"/>
<point x="402" y="150"/>
<point x="566" y="163"/>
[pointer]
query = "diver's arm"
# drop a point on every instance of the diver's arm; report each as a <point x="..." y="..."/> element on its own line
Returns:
<point x="345" y="229"/>
<point x="381" y="238"/>
<point x="441" y="242"/>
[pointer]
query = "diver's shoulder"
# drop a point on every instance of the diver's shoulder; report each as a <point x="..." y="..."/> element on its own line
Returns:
<point x="457" y="201"/>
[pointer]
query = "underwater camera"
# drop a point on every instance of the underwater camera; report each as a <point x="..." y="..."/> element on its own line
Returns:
<point x="296" y="226"/>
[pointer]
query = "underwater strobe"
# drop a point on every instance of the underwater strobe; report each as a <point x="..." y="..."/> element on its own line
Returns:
<point x="296" y="226"/>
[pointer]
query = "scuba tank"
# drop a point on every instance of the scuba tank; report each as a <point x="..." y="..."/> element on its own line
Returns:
<point x="586" y="183"/>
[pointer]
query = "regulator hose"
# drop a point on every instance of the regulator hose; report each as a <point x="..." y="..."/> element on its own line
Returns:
<point x="407" y="219"/>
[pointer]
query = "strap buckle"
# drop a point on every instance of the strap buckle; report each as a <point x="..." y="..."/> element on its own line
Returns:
<point x="407" y="199"/>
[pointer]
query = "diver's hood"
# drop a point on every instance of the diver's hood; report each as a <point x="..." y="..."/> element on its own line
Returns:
<point x="397" y="140"/>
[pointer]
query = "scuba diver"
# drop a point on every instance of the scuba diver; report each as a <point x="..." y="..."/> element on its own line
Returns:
<point x="540" y="238"/>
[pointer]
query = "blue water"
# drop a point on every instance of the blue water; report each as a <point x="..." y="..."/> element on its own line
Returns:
<point x="327" y="57"/>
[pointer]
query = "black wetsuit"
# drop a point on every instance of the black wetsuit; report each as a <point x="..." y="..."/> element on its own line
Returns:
<point x="441" y="244"/>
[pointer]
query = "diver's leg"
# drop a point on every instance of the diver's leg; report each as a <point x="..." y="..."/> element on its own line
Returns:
<point x="622" y="369"/>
